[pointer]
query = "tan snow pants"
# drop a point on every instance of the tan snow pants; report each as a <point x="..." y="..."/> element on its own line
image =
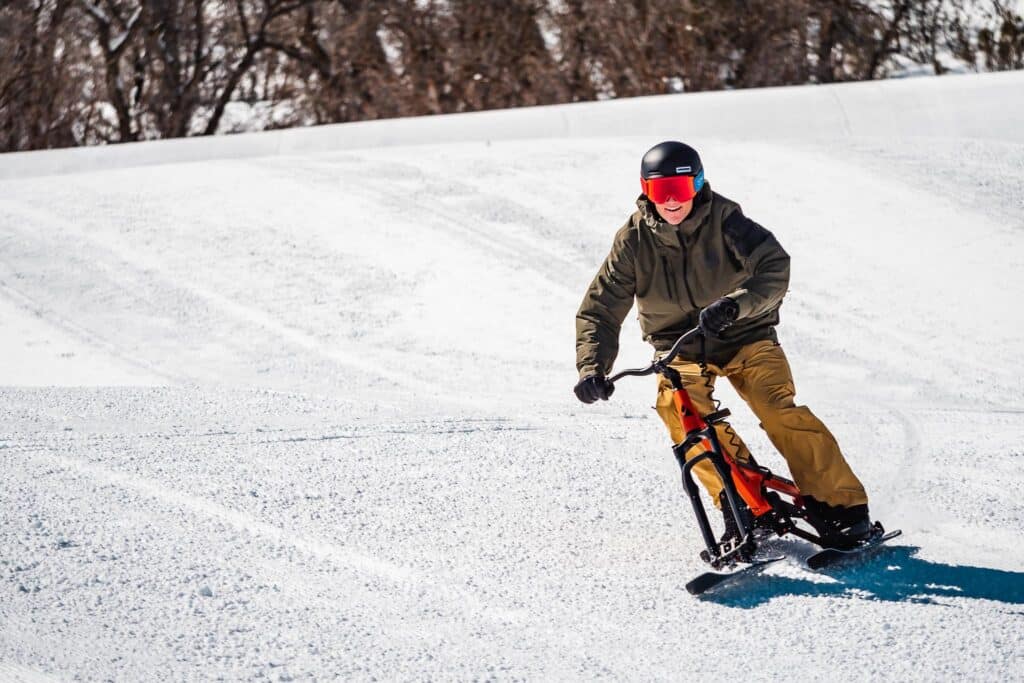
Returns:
<point x="761" y="376"/>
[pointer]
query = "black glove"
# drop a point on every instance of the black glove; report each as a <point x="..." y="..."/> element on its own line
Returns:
<point x="594" y="387"/>
<point x="718" y="316"/>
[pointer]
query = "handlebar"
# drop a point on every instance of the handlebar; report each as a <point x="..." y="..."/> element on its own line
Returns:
<point x="661" y="363"/>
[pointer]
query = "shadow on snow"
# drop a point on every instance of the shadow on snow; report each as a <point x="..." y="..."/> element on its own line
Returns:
<point x="893" y="575"/>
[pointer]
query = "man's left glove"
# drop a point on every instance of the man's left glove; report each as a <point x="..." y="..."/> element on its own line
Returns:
<point x="718" y="316"/>
<point x="594" y="387"/>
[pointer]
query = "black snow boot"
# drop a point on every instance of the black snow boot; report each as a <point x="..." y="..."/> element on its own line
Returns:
<point x="839" y="527"/>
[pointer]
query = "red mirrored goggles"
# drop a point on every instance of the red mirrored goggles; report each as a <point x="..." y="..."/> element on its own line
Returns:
<point x="681" y="188"/>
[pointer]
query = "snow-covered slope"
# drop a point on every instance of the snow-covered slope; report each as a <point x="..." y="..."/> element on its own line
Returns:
<point x="309" y="415"/>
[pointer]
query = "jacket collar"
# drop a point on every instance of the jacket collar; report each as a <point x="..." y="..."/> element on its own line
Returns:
<point x="669" y="235"/>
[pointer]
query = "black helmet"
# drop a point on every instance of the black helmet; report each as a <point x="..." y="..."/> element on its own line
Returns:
<point x="668" y="159"/>
<point x="671" y="170"/>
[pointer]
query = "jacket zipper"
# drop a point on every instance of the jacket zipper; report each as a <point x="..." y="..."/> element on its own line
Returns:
<point x="686" y="283"/>
<point x="668" y="277"/>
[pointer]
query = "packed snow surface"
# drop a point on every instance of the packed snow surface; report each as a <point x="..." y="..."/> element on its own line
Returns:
<point x="310" y="415"/>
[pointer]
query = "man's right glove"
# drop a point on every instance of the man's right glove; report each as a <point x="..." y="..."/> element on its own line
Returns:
<point x="718" y="316"/>
<point x="594" y="387"/>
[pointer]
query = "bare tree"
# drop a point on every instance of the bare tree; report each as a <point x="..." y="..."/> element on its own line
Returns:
<point x="115" y="23"/>
<point x="1002" y="42"/>
<point x="38" y="93"/>
<point x="630" y="48"/>
<point x="498" y="55"/>
<point x="338" y="52"/>
<point x="171" y="67"/>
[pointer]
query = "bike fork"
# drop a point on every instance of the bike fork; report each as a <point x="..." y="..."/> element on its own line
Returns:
<point x="732" y="497"/>
<point x="700" y="431"/>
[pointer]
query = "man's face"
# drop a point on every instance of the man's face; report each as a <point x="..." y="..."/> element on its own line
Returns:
<point x="674" y="212"/>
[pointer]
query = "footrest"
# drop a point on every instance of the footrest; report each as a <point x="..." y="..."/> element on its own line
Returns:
<point x="717" y="416"/>
<point x="731" y="552"/>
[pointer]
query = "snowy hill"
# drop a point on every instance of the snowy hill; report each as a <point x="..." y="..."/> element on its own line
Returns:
<point x="298" y="405"/>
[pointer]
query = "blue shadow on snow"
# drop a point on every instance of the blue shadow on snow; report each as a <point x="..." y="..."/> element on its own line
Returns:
<point x="893" y="575"/>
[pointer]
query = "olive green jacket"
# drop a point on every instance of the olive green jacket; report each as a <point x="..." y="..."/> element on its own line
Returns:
<point x="673" y="272"/>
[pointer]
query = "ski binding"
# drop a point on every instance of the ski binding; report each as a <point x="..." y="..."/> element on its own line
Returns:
<point x="831" y="557"/>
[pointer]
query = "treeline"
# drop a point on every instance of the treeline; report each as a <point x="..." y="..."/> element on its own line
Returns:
<point x="83" y="72"/>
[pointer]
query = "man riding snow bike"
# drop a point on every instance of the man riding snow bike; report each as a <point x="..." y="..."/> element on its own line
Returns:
<point x="687" y="257"/>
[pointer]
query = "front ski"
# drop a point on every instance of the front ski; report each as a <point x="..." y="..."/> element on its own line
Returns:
<point x="831" y="557"/>
<point x="713" y="580"/>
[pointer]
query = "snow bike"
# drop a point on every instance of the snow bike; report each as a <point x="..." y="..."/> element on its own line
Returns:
<point x="762" y="503"/>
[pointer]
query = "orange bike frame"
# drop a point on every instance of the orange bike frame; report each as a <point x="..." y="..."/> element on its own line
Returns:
<point x="749" y="481"/>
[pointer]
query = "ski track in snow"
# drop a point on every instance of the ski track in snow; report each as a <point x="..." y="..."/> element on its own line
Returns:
<point x="278" y="418"/>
